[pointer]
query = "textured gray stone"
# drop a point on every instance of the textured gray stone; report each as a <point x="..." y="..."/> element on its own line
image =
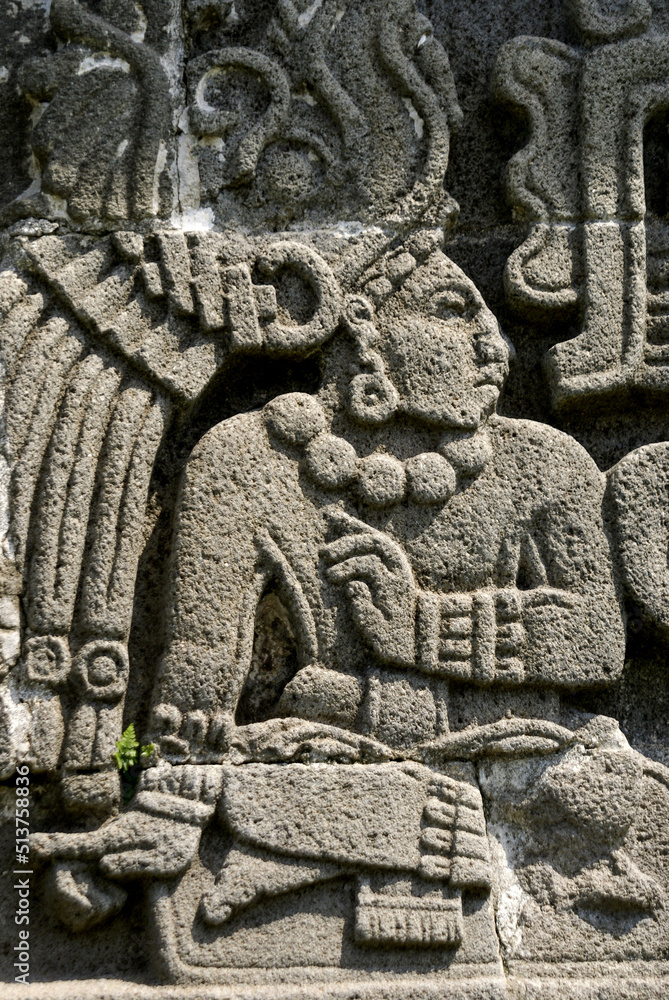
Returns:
<point x="334" y="458"/>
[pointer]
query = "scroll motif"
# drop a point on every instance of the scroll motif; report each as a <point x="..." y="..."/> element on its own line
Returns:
<point x="304" y="124"/>
<point x="295" y="123"/>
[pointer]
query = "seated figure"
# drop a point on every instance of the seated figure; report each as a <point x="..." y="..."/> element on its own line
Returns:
<point x="389" y="580"/>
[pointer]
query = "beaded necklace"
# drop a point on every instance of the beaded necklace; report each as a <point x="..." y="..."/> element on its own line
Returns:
<point x="381" y="479"/>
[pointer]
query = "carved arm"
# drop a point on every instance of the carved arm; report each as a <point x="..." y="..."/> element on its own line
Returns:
<point x="544" y="635"/>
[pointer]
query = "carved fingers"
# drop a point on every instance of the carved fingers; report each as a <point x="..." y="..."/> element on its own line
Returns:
<point x="379" y="584"/>
<point x="128" y="846"/>
<point x="453" y="839"/>
<point x="438" y="813"/>
<point x="150" y="845"/>
<point x="162" y="861"/>
<point x="360" y="539"/>
<point x="365" y="554"/>
<point x="67" y="846"/>
<point x="366" y="579"/>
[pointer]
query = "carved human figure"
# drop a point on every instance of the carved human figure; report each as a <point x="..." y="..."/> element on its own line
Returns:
<point x="389" y="578"/>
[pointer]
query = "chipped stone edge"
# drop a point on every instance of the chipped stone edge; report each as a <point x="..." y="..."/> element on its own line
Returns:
<point x="633" y="981"/>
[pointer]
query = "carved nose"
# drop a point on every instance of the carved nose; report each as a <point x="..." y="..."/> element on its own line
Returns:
<point x="491" y="346"/>
<point x="490" y="351"/>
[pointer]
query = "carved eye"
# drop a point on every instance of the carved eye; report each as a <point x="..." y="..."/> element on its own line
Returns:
<point x="454" y="303"/>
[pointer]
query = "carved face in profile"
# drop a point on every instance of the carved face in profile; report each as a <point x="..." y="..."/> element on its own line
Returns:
<point x="442" y="347"/>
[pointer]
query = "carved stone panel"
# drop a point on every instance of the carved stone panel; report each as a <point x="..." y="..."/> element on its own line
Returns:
<point x="334" y="521"/>
<point x="579" y="182"/>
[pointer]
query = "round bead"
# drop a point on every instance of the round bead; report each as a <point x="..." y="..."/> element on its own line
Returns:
<point x="331" y="461"/>
<point x="431" y="478"/>
<point x="295" y="418"/>
<point x="470" y="454"/>
<point x="47" y="659"/>
<point x="381" y="480"/>
<point x="373" y="398"/>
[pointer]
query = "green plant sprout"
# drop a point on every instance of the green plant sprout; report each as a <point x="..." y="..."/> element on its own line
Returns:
<point x="126" y="755"/>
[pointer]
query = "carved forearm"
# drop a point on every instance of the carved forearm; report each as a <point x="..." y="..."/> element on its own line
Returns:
<point x="494" y="635"/>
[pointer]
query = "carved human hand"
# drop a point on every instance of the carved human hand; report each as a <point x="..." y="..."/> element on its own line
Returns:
<point x="129" y="846"/>
<point x="379" y="584"/>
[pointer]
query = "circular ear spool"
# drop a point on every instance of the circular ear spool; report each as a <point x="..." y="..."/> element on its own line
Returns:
<point x="357" y="310"/>
<point x="372" y="397"/>
<point x="310" y="266"/>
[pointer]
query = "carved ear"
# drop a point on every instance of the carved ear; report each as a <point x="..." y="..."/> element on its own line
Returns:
<point x="357" y="311"/>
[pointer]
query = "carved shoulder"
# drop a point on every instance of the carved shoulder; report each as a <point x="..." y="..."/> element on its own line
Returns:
<point x="234" y="466"/>
<point x="230" y="449"/>
<point x="550" y="455"/>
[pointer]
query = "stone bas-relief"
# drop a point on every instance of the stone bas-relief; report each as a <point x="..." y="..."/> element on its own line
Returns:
<point x="278" y="117"/>
<point x="362" y="747"/>
<point x="264" y="497"/>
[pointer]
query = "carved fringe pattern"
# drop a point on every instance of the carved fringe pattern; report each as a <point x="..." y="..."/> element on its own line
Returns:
<point x="86" y="410"/>
<point x="85" y="461"/>
<point x="81" y="438"/>
<point x="382" y="918"/>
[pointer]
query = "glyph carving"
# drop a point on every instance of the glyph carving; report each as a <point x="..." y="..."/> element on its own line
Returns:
<point x="105" y="103"/>
<point x="273" y="129"/>
<point x="288" y="126"/>
<point x="579" y="182"/>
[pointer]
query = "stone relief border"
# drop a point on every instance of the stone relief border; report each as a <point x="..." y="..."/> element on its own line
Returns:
<point x="108" y="336"/>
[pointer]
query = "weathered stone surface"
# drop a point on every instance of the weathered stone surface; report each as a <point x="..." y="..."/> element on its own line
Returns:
<point x="334" y="460"/>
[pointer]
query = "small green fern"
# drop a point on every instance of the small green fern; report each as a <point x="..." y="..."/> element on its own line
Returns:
<point x="126" y="755"/>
